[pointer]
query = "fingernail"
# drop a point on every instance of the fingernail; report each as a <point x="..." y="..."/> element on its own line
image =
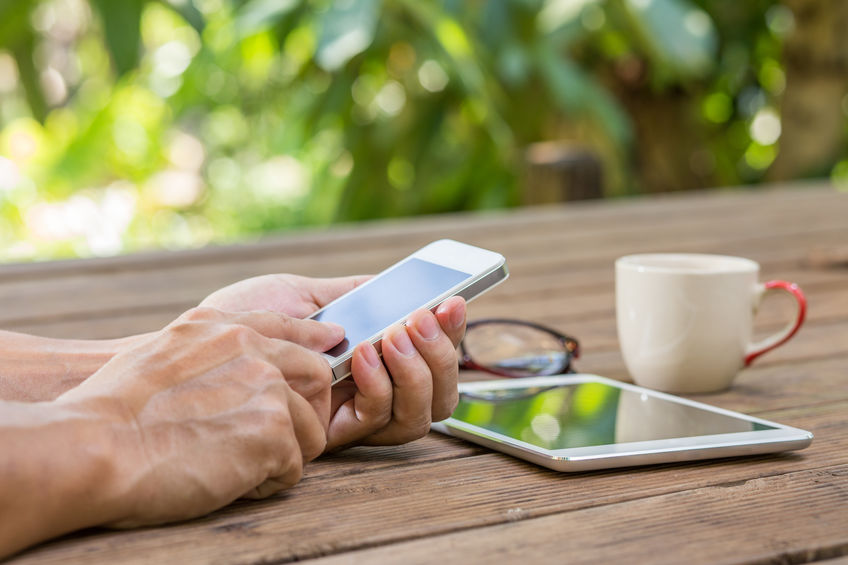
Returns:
<point x="427" y="327"/>
<point x="457" y="316"/>
<point x="402" y="343"/>
<point x="369" y="354"/>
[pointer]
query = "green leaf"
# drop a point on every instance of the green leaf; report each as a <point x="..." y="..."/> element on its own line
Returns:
<point x="22" y="51"/>
<point x="676" y="34"/>
<point x="189" y="13"/>
<point x="122" y="27"/>
<point x="347" y="30"/>
<point x="259" y="15"/>
<point x="577" y="93"/>
<point x="13" y="21"/>
<point x="16" y="35"/>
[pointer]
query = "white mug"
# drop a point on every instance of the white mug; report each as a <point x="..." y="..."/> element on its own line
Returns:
<point x="685" y="320"/>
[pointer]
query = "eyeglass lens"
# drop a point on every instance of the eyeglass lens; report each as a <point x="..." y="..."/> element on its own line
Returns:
<point x="523" y="351"/>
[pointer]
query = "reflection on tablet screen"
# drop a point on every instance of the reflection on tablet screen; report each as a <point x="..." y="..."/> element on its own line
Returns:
<point x="587" y="414"/>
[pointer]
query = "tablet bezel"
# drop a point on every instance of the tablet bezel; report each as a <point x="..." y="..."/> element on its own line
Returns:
<point x="782" y="438"/>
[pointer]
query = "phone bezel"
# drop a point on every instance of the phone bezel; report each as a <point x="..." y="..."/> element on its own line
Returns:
<point x="487" y="270"/>
<point x="782" y="438"/>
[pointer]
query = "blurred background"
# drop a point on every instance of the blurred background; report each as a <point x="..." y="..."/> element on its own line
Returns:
<point x="140" y="124"/>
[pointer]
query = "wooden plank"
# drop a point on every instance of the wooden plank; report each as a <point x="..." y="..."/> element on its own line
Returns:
<point x="331" y="514"/>
<point x="23" y="301"/>
<point x="785" y="385"/>
<point x="652" y="210"/>
<point x="793" y="518"/>
<point x="187" y="282"/>
<point x="357" y="460"/>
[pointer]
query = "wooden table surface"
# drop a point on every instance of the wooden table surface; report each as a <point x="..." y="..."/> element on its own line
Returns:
<point x="441" y="499"/>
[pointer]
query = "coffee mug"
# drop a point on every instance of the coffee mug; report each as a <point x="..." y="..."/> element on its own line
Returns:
<point x="685" y="320"/>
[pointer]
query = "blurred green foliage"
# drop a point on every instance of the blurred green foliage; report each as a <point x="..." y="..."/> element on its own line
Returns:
<point x="146" y="123"/>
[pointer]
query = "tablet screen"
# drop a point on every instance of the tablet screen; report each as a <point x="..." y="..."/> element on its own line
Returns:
<point x="590" y="414"/>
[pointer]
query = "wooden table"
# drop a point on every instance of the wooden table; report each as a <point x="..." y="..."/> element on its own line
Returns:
<point x="440" y="499"/>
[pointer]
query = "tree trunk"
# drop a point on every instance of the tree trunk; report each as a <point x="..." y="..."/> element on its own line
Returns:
<point x="813" y="110"/>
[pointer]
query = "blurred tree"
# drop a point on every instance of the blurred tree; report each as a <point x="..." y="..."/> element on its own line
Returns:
<point x="815" y="103"/>
<point x="125" y="125"/>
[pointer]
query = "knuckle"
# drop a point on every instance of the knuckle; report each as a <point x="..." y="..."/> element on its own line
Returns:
<point x="237" y="335"/>
<point x="200" y="313"/>
<point x="314" y="448"/>
<point x="445" y="409"/>
<point x="377" y="419"/>
<point x="264" y="371"/>
<point x="382" y="419"/>
<point x="275" y="416"/>
<point x="286" y="324"/>
<point x="446" y="361"/>
<point x="290" y="463"/>
<point x="417" y="428"/>
<point x="287" y="321"/>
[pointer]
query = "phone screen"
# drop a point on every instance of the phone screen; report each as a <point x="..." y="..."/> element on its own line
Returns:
<point x="388" y="298"/>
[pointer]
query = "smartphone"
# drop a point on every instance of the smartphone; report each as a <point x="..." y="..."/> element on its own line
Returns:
<point x="585" y="422"/>
<point x="424" y="279"/>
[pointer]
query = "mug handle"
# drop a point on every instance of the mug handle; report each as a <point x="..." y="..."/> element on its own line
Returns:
<point x="781" y="337"/>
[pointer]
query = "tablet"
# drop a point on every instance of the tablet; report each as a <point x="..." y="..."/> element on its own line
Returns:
<point x="586" y="422"/>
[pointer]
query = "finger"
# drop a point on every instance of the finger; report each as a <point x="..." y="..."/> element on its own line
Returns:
<point x="314" y="335"/>
<point x="369" y="408"/>
<point x="437" y="350"/>
<point x="298" y="438"/>
<point x="310" y="428"/>
<point x="324" y="291"/>
<point x="452" y="317"/>
<point x="306" y="372"/>
<point x="412" y="390"/>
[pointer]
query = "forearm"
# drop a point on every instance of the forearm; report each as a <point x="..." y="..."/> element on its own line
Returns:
<point x="56" y="473"/>
<point x="36" y="369"/>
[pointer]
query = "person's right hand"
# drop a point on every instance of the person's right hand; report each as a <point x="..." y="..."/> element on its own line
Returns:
<point x="205" y="411"/>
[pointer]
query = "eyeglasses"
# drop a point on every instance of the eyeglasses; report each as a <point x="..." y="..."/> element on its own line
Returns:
<point x="515" y="348"/>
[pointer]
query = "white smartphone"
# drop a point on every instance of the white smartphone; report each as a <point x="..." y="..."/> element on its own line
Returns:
<point x="424" y="279"/>
<point x="586" y="422"/>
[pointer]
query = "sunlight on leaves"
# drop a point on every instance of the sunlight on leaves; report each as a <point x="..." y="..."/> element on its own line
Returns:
<point x="347" y="30"/>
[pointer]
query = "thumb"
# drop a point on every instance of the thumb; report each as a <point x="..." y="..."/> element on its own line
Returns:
<point x="324" y="291"/>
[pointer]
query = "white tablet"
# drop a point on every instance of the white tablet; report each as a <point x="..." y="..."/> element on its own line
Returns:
<point x="585" y="422"/>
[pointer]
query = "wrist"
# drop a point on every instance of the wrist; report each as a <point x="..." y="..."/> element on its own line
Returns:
<point x="58" y="473"/>
<point x="34" y="369"/>
<point x="106" y="443"/>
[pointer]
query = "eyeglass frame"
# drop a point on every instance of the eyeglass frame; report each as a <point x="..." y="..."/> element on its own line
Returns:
<point x="570" y="345"/>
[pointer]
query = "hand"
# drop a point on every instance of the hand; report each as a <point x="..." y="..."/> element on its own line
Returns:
<point x="370" y="407"/>
<point x="287" y="294"/>
<point x="374" y="409"/>
<point x="213" y="407"/>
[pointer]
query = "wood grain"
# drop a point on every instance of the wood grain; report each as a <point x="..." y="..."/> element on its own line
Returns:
<point x="331" y="513"/>
<point x="790" y="518"/>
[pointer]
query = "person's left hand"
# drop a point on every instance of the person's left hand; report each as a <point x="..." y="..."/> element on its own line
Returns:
<point x="387" y="402"/>
<point x="373" y="408"/>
